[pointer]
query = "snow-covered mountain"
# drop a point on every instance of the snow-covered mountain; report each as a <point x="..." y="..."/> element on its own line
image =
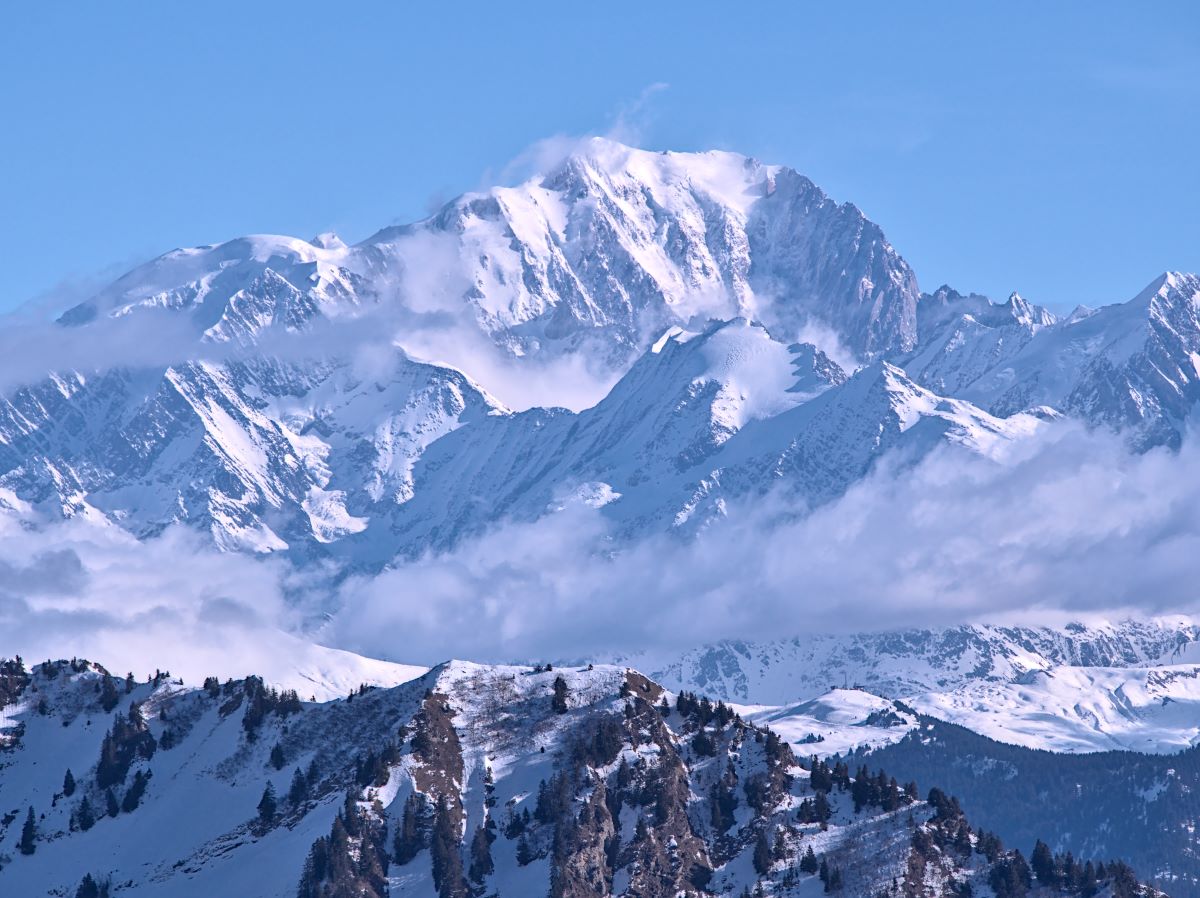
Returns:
<point x="300" y="399"/>
<point x="1129" y="685"/>
<point x="670" y="339"/>
<point x="1131" y="367"/>
<point x="470" y="780"/>
<point x="269" y="438"/>
<point x="910" y="662"/>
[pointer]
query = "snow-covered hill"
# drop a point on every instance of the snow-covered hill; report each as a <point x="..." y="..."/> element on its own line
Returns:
<point x="472" y="779"/>
<point x="911" y="662"/>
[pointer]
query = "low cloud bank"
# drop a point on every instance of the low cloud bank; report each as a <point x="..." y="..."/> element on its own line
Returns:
<point x="78" y="588"/>
<point x="1070" y="526"/>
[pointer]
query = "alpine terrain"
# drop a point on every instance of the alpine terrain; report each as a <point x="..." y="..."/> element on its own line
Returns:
<point x="470" y="780"/>
<point x="677" y="343"/>
<point x="267" y="413"/>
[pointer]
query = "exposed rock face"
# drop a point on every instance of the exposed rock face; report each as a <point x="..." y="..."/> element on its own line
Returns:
<point x="829" y="263"/>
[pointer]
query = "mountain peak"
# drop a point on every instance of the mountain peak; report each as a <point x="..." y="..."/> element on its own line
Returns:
<point x="730" y="179"/>
<point x="328" y="240"/>
<point x="1026" y="313"/>
<point x="1177" y="283"/>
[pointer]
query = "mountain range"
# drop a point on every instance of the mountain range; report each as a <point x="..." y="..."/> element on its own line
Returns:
<point x="672" y="341"/>
<point x="759" y="337"/>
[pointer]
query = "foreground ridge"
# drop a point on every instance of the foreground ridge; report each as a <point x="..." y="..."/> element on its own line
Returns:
<point x="470" y="780"/>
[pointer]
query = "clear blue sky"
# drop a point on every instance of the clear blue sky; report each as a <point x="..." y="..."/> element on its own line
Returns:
<point x="1052" y="148"/>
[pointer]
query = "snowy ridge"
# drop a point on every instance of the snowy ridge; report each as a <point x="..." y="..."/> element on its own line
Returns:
<point x="1130" y="367"/>
<point x="1128" y="685"/>
<point x="424" y="789"/>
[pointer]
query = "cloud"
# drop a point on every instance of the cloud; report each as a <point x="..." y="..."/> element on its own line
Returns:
<point x="827" y="340"/>
<point x="432" y="322"/>
<point x="171" y="602"/>
<point x="629" y="124"/>
<point x="422" y="312"/>
<point x="1070" y="525"/>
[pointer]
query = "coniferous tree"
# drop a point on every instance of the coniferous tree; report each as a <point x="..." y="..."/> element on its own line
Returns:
<point x="559" y="702"/>
<point x="267" y="805"/>
<point x="298" y="791"/>
<point x="350" y="814"/>
<point x="409" y="838"/>
<point x="111" y="807"/>
<point x="128" y="739"/>
<point x="443" y="850"/>
<point x="1041" y="862"/>
<point x="90" y="887"/>
<point x="68" y="784"/>
<point x="1010" y="877"/>
<point x="525" y="852"/>
<point x="28" y="843"/>
<point x="316" y="865"/>
<point x="821" y="809"/>
<point x="762" y="854"/>
<point x="168" y="740"/>
<point x="133" y="797"/>
<point x="481" y="855"/>
<point x="85" y="817"/>
<point x="108" y="694"/>
<point x="277" y="759"/>
<point x="808" y="863"/>
<point x="724" y="801"/>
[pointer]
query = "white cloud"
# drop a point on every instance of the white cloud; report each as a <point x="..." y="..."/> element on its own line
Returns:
<point x="1070" y="526"/>
<point x="87" y="589"/>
